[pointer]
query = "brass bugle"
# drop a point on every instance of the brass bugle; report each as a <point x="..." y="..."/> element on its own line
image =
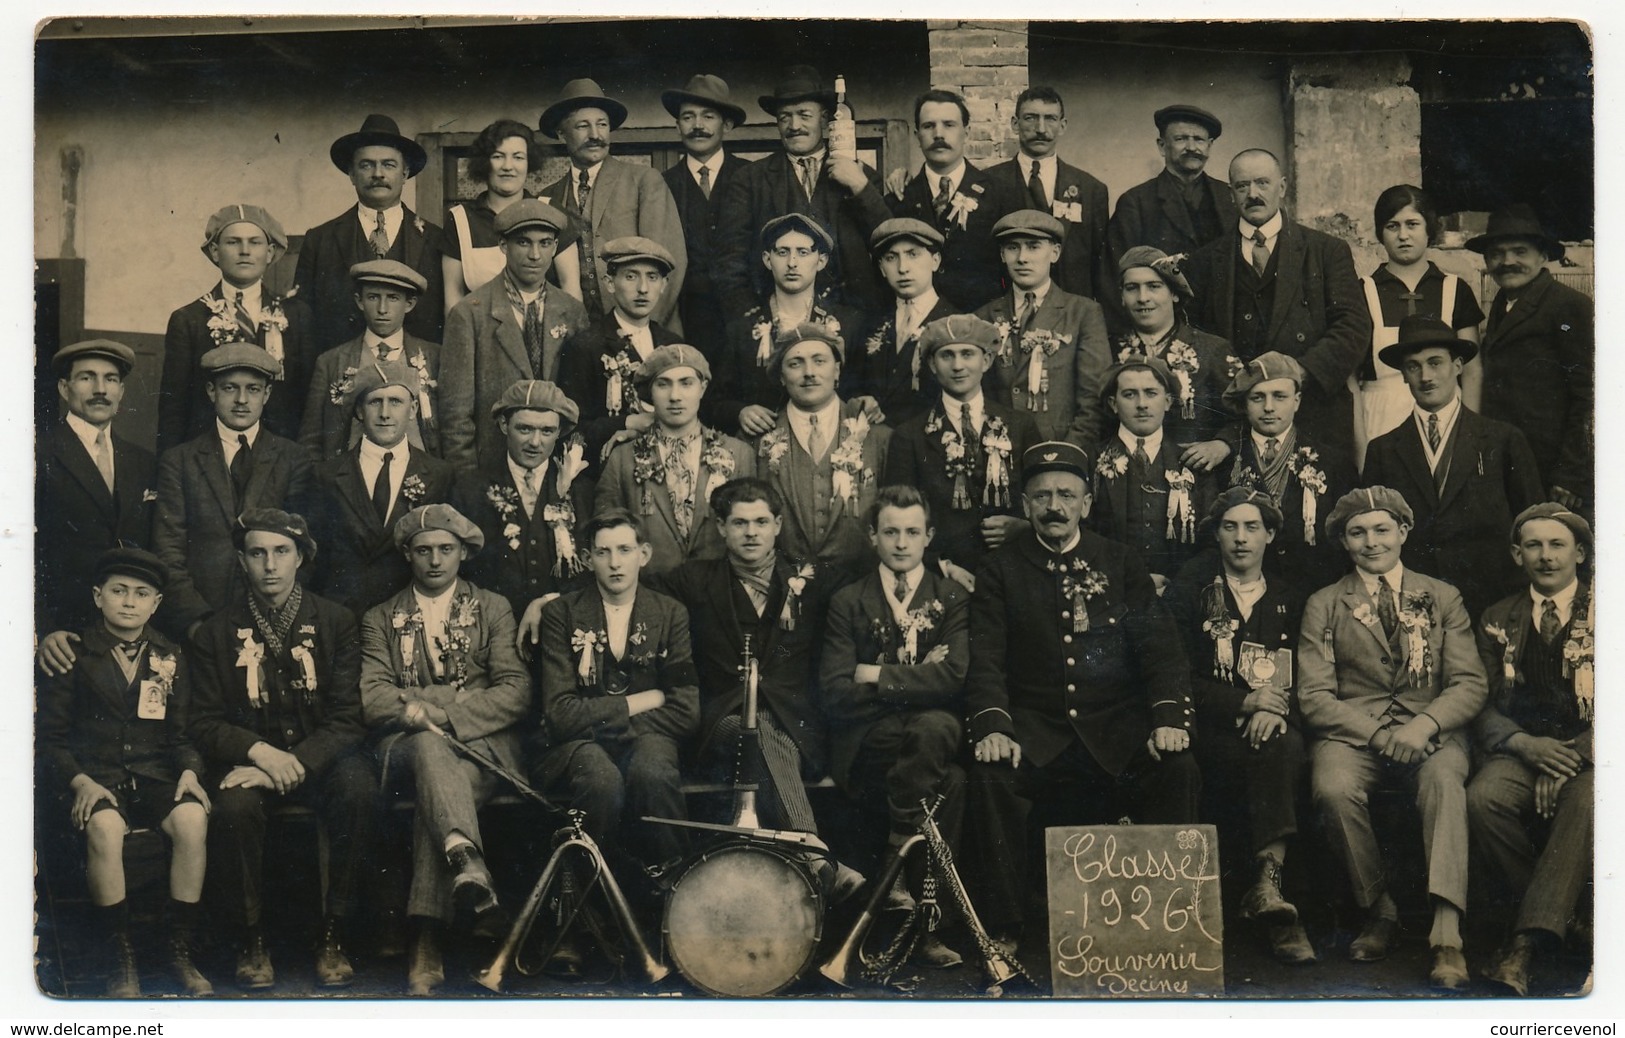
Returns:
<point x="838" y="967"/>
<point x="999" y="967"/>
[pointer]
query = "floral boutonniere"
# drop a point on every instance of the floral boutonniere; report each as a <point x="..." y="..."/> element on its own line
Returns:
<point x="1004" y="355"/>
<point x="250" y="657"/>
<point x="997" y="448"/>
<point x="413" y="490"/>
<point x="717" y="460"/>
<point x="792" y="600"/>
<point x="1181" y="510"/>
<point x="960" y="208"/>
<point x="1509" y="651"/>
<point x="589" y="646"/>
<point x="1233" y="366"/>
<point x="1181" y="360"/>
<point x="1040" y="344"/>
<point x="846" y="463"/>
<point x="957" y="462"/>
<point x="648" y="469"/>
<point x="1415" y="620"/>
<point x="407" y="626"/>
<point x="917" y="621"/>
<point x="304" y="655"/>
<point x="559" y="331"/>
<point x="1111" y="463"/>
<point x="1313" y="482"/>
<point x="425" y="384"/>
<point x="1221" y="627"/>
<point x="420" y="225"/>
<point x="572" y="463"/>
<point x="773" y="446"/>
<point x="561" y="518"/>
<point x="619" y="368"/>
<point x="163" y="666"/>
<point x="827" y="319"/>
<point x="762" y="332"/>
<point x="1579" y="656"/>
<point x="1070" y="193"/>
<point x="341" y="387"/>
<point x="1079" y="583"/>
<point x="1364" y="614"/>
<point x="222" y="326"/>
<point x="273" y="322"/>
<point x="506" y="502"/>
<point x="877" y="342"/>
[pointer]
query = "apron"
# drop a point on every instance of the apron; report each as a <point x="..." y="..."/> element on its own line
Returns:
<point x="1381" y="404"/>
<point x="479" y="265"/>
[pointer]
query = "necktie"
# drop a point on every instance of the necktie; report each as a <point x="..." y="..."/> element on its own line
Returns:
<point x="132" y="650"/>
<point x="380" y="237"/>
<point x="242" y="470"/>
<point x="1029" y="310"/>
<point x="816" y="441"/>
<point x="583" y="192"/>
<point x="1433" y="433"/>
<point x="1272" y="447"/>
<point x="1261" y="253"/>
<point x="1387" y="612"/>
<point x="1548" y="621"/>
<point x="945" y="188"/>
<point x="527" y="492"/>
<point x="380" y="489"/>
<point x="967" y="430"/>
<point x="245" y="323"/>
<point x="809" y="178"/>
<point x="104" y="458"/>
<point x="900" y="592"/>
<point x="383" y="349"/>
<point x="590" y="296"/>
<point x="533" y="334"/>
<point x="1035" y="188"/>
<point x="1140" y="456"/>
<point x="705" y="181"/>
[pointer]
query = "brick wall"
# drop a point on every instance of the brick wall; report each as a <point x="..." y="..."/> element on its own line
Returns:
<point x="987" y="63"/>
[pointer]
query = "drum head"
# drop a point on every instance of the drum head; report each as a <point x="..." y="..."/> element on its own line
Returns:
<point x="743" y="921"/>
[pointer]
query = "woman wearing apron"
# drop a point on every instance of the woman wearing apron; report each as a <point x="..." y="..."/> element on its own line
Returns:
<point x="1409" y="283"/>
<point x="501" y="157"/>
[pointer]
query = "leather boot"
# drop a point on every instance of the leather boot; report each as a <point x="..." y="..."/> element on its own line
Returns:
<point x="473" y="891"/>
<point x="254" y="970"/>
<point x="1512" y="966"/>
<point x="123" y="979"/>
<point x="1263" y="900"/>
<point x="333" y="969"/>
<point x="182" y="931"/>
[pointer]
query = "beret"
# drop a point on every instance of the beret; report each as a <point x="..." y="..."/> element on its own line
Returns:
<point x="240" y="355"/>
<point x="130" y="561"/>
<point x="1054" y="456"/>
<point x="389" y="272"/>
<point x="1166" y="267"/>
<point x="291" y="525"/>
<point x="779" y="226"/>
<point x="1552" y="510"/>
<point x="107" y="349"/>
<point x="437" y="517"/>
<point x="1421" y="331"/>
<point x="899" y="227"/>
<point x="1244" y="495"/>
<point x="1266" y="367"/>
<point x="1137" y="362"/>
<point x="381" y="373"/>
<point x="253" y="214"/>
<point x="529" y="212"/>
<point x="1030" y="223"/>
<point x="1367" y="499"/>
<point x="535" y="395"/>
<point x="965" y="328"/>
<point x="675" y="355"/>
<point x="806" y="331"/>
<point x="1187" y="114"/>
<point x="632" y="248"/>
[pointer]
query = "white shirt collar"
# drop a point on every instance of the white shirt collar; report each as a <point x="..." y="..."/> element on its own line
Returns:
<point x="518" y="472"/>
<point x="921" y="304"/>
<point x="829" y="421"/>
<point x="1017" y="294"/>
<point x="642" y="338"/>
<point x="1395" y="577"/>
<point x="592" y="175"/>
<point x="714" y="164"/>
<point x="955" y="176"/>
<point x="396" y="342"/>
<point x="229" y="436"/>
<point x="86" y="432"/>
<point x="1153" y="443"/>
<point x="888" y="584"/>
<point x="955" y="408"/>
<point x="1271" y="228"/>
<point x="1259" y="439"/>
<point x="368" y="219"/>
<point x="251" y="294"/>
<point x="1564" y="600"/>
<point x="372" y="452"/>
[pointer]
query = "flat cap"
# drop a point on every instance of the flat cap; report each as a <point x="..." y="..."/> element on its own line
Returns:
<point x="1137" y="362"/>
<point x="1054" y="456"/>
<point x="235" y="356"/>
<point x="253" y="214"/>
<point x="1367" y="499"/>
<point x="535" y="395"/>
<point x="806" y="331"/>
<point x="675" y="355"/>
<point x="380" y="373"/>
<point x="901" y="227"/>
<point x="1187" y="114"/>
<point x="779" y="226"/>
<point x="1266" y="367"/>
<point x="129" y="561"/>
<point x="1030" y="223"/>
<point x="389" y="272"/>
<point x="1420" y="332"/>
<point x="120" y="354"/>
<point x="1552" y="510"/>
<point x="438" y="517"/>
<point x="1165" y="266"/>
<point x="291" y="525"/>
<point x="1236" y="496"/>
<point x="631" y="249"/>
<point x="958" y="328"/>
<point x="529" y="212"/>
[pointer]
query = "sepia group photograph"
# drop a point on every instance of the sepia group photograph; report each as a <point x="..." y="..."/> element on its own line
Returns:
<point x="539" y="510"/>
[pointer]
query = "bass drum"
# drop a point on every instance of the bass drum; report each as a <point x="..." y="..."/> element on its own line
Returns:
<point x="744" y="920"/>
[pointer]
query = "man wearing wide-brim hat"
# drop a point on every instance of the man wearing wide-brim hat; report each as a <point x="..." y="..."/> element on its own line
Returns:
<point x="1183" y="207"/>
<point x="1464" y="474"/>
<point x="705" y="111"/>
<point x="609" y="198"/>
<point x="379" y="161"/>
<point x="842" y="194"/>
<point x="1538" y="353"/>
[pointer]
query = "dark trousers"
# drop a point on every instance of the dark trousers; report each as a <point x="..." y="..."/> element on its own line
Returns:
<point x="1550" y="876"/>
<point x="1255" y="787"/>
<point x="1073" y="789"/>
<point x="345" y="796"/>
<point x="907" y="757"/>
<point x="618" y="783"/>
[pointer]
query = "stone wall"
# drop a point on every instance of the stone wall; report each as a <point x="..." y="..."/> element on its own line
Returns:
<point x="987" y="63"/>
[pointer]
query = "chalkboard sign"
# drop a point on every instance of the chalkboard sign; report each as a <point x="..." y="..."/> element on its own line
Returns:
<point x="1134" y="911"/>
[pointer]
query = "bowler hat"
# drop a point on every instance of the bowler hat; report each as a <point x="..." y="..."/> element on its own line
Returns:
<point x="800" y="83"/>
<point x="376" y="130"/>
<point x="117" y="352"/>
<point x="1516" y="221"/>
<point x="1188" y="114"/>
<point x="710" y="91"/>
<point x="580" y="93"/>
<point x="1420" y="331"/>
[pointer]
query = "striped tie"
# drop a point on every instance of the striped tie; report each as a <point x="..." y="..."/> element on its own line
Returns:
<point x="246" y="331"/>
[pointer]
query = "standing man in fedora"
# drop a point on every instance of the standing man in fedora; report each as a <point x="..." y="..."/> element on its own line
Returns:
<point x="1537" y="355"/>
<point x="705" y="112"/>
<point x="379" y="162"/>
<point x="1182" y="208"/>
<point x="607" y="197"/>
<point x="843" y="195"/>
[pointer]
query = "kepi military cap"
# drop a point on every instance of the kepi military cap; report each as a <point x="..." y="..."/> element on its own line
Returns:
<point x="535" y="395"/>
<point x="632" y="249"/>
<point x="800" y="83"/>
<point x="438" y="517"/>
<point x="1188" y="114"/>
<point x="707" y="91"/>
<point x="390" y="272"/>
<point x="245" y="356"/>
<point x="901" y="227"/>
<point x="1266" y="367"/>
<point x="1030" y="223"/>
<point x="674" y="355"/>
<point x="958" y="328"/>
<point x="126" y="560"/>
<point x="578" y="94"/>
<point x="223" y="218"/>
<point x="529" y="212"/>
<point x="1368" y="499"/>
<point x="121" y="355"/>
<point x="1054" y="456"/>
<point x="291" y="525"/>
<point x="1420" y="332"/>
<point x="1516" y="221"/>
<point x="779" y="226"/>
<point x="1552" y="510"/>
<point x="378" y="130"/>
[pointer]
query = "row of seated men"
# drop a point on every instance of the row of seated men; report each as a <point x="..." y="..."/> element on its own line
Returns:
<point x="816" y="549"/>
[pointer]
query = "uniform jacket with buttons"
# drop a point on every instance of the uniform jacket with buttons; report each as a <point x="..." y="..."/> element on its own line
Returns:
<point x="1036" y="680"/>
<point x="329" y="426"/>
<point x="524" y="572"/>
<point x="1071" y="410"/>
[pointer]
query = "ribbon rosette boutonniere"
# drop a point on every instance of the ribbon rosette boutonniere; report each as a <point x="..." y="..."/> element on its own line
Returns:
<point x="1079" y="583"/>
<point x="587" y="644"/>
<point x="774" y="445"/>
<point x="1181" y="510"/>
<point x="762" y="332"/>
<point x="304" y="655"/>
<point x="846" y="464"/>
<point x="250" y="657"/>
<point x="648" y="470"/>
<point x="717" y="460"/>
<point x="792" y="601"/>
<point x="1579" y="657"/>
<point x="916" y="622"/>
<point x="1111" y="463"/>
<point x="412" y="489"/>
<point x="223" y="326"/>
<point x="1004" y="326"/>
<point x="1509" y="651"/>
<point x="1313" y="481"/>
<point x="562" y="519"/>
<point x="956" y="460"/>
<point x="406" y="627"/>
<point x="997" y="448"/>
<point x="1040" y="345"/>
<point x="425" y="383"/>
<point x="1221" y="627"/>
<point x="619" y="367"/>
<point x="1364" y="614"/>
<point x="960" y="209"/>
<point x="1415" y="620"/>
<point x="273" y="322"/>
<point x="1181" y="360"/>
<point x="162" y="666"/>
<point x="340" y="388"/>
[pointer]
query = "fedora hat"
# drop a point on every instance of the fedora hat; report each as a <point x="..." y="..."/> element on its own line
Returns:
<point x="378" y="129"/>
<point x="710" y="91"/>
<point x="1421" y="331"/>
<point x="580" y="93"/>
<point x="800" y="83"/>
<point x="1516" y="221"/>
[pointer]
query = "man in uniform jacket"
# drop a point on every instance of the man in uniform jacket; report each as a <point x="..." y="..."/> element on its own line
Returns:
<point x="206" y="483"/>
<point x="1465" y="488"/>
<point x="1076" y="679"/>
<point x="842" y="194"/>
<point x="1538" y="353"/>
<point x="277" y="716"/>
<point x="379" y="162"/>
<point x="1182" y="208"/>
<point x="1271" y="284"/>
<point x="1388" y="681"/>
<point x="93" y="489"/>
<point x="705" y="112"/>
<point x="889" y="364"/>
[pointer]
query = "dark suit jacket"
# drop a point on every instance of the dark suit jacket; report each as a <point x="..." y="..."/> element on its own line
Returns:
<point x="329" y="426"/>
<point x="1111" y="517"/>
<point x="741" y="381"/>
<point x="358" y="564"/>
<point x="1538" y="375"/>
<point x="584" y="380"/>
<point x="972" y="272"/>
<point x="524" y="571"/>
<point x="1213" y="419"/>
<point x="1154" y="213"/>
<point x="197" y="510"/>
<point x="844" y="544"/>
<point x="1076" y="370"/>
<point x="77" y="520"/>
<point x="184" y="410"/>
<point x="699" y="303"/>
<point x="861" y="629"/>
<point x="323" y="276"/>
<point x="1033" y="679"/>
<point x="1517" y="704"/>
<point x="1082" y="270"/>
<point x="1306" y="565"/>
<point x="769" y="188"/>
<point x="876" y="367"/>
<point x="1461" y="532"/>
